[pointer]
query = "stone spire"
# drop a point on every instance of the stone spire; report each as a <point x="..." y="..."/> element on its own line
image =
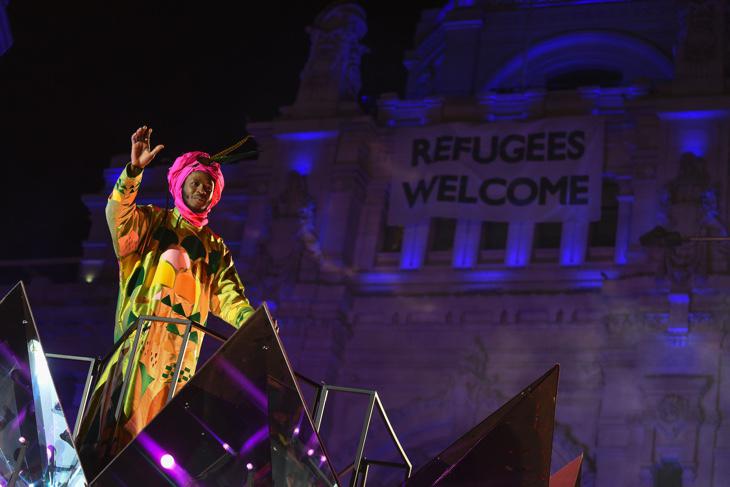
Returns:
<point x="330" y="80"/>
<point x="701" y="49"/>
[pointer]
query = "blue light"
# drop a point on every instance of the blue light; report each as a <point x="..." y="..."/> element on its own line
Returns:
<point x="694" y="115"/>
<point x="307" y="136"/>
<point x="607" y="48"/>
<point x="302" y="164"/>
<point x="678" y="298"/>
<point x="695" y="141"/>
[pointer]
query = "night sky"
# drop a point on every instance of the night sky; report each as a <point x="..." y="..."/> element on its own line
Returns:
<point x="81" y="76"/>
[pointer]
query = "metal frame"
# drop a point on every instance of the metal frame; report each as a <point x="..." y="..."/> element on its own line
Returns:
<point x="360" y="465"/>
<point x="98" y="363"/>
<point x="154" y="320"/>
<point x="87" y="385"/>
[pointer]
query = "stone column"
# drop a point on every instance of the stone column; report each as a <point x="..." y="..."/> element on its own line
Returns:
<point x="466" y="244"/>
<point x="457" y="74"/>
<point x="573" y="242"/>
<point x="519" y="244"/>
<point x="415" y="240"/>
<point x="623" y="229"/>
<point x="371" y="223"/>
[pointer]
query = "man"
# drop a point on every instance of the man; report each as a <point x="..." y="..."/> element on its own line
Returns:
<point x="170" y="264"/>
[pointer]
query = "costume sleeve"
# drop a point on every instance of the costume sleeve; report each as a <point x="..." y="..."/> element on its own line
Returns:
<point x="228" y="298"/>
<point x="128" y="224"/>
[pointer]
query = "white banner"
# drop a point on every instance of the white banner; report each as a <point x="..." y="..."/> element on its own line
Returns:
<point x="549" y="170"/>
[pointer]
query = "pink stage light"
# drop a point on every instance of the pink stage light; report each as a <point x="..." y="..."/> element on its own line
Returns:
<point x="310" y="452"/>
<point x="167" y="461"/>
<point x="296" y="431"/>
<point x="249" y="466"/>
<point x="323" y="459"/>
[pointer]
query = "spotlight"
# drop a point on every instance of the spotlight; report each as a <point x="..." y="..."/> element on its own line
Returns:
<point x="22" y="440"/>
<point x="249" y="466"/>
<point x="310" y="452"/>
<point x="323" y="459"/>
<point x="167" y="461"/>
<point x="296" y="431"/>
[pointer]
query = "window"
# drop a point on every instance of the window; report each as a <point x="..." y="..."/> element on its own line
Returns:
<point x="494" y="236"/>
<point x="547" y="235"/>
<point x="584" y="77"/>
<point x="603" y="232"/>
<point x="442" y="234"/>
<point x="668" y="474"/>
<point x="392" y="239"/>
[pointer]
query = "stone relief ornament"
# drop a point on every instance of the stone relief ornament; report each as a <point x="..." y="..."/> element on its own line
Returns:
<point x="698" y="35"/>
<point x="689" y="205"/>
<point x="478" y="382"/>
<point x="279" y="256"/>
<point x="673" y="413"/>
<point x="332" y="71"/>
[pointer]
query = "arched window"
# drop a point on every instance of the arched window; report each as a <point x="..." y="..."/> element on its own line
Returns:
<point x="577" y="78"/>
<point x="582" y="58"/>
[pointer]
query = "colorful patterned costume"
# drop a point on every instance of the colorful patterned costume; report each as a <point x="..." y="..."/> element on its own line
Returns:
<point x="167" y="267"/>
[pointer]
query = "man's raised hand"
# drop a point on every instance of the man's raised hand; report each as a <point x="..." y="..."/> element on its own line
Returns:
<point x="141" y="155"/>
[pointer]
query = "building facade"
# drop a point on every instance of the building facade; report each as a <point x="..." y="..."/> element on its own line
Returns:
<point x="448" y="317"/>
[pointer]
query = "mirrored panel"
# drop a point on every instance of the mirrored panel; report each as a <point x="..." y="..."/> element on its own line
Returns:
<point x="240" y="420"/>
<point x="36" y="447"/>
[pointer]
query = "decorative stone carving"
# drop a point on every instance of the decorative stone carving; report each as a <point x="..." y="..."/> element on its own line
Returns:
<point x="479" y="382"/>
<point x="698" y="36"/>
<point x="332" y="72"/>
<point x="279" y="257"/>
<point x="690" y="207"/>
<point x="673" y="412"/>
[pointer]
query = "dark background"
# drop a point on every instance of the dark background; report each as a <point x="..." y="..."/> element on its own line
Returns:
<point x="81" y="76"/>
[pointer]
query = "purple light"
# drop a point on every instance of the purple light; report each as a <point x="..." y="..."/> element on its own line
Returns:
<point x="49" y="452"/>
<point x="310" y="452"/>
<point x="154" y="451"/>
<point x="307" y="136"/>
<point x="255" y="394"/>
<point x="249" y="466"/>
<point x="255" y="439"/>
<point x="22" y="440"/>
<point x="322" y="458"/>
<point x="167" y="461"/>
<point x="296" y="431"/>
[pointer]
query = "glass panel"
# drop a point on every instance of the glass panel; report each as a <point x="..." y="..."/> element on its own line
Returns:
<point x="240" y="419"/>
<point x="511" y="447"/>
<point x="392" y="239"/>
<point x="442" y="234"/>
<point x="494" y="236"/>
<point x="36" y="447"/>
<point x="69" y="378"/>
<point x="547" y="235"/>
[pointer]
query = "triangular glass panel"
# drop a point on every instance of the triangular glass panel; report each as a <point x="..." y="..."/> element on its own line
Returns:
<point x="510" y="448"/>
<point x="241" y="420"/>
<point x="36" y="447"/>
<point x="569" y="475"/>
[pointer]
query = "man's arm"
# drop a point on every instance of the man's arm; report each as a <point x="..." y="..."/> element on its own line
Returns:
<point x="228" y="300"/>
<point x="127" y="223"/>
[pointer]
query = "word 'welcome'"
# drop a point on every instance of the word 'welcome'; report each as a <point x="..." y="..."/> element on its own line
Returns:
<point x="521" y="191"/>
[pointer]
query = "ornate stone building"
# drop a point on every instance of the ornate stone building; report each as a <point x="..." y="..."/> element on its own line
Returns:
<point x="449" y="317"/>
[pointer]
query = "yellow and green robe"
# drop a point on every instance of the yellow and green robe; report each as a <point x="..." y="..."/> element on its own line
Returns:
<point x="170" y="268"/>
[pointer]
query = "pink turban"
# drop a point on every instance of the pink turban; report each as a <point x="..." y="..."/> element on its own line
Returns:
<point x="180" y="170"/>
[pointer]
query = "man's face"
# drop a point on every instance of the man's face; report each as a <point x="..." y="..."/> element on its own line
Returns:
<point x="198" y="191"/>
